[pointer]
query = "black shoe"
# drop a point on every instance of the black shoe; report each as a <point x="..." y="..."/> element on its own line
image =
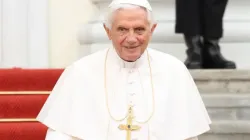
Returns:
<point x="194" y="58"/>
<point x="212" y="57"/>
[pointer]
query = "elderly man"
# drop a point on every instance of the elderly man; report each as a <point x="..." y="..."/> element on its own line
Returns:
<point x="127" y="91"/>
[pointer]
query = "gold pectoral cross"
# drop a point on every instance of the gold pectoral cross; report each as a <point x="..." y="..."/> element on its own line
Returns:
<point x="129" y="127"/>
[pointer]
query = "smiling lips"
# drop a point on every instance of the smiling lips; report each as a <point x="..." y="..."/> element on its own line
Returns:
<point x="133" y="47"/>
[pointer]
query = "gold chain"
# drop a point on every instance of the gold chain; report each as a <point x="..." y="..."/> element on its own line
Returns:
<point x="106" y="91"/>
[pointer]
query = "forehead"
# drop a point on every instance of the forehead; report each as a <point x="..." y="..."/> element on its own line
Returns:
<point x="130" y="16"/>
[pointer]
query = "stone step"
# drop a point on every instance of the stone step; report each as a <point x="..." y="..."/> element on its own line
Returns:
<point x="225" y="137"/>
<point x="229" y="114"/>
<point x="222" y="81"/>
<point x="228" y="130"/>
<point x="229" y="127"/>
<point x="227" y="106"/>
<point x="221" y="74"/>
<point x="226" y="100"/>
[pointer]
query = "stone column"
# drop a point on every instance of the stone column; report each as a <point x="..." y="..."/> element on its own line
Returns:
<point x="1" y="31"/>
<point x="38" y="33"/>
<point x="24" y="37"/>
<point x="14" y="25"/>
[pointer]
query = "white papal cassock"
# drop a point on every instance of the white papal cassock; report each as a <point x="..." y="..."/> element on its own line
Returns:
<point x="77" y="106"/>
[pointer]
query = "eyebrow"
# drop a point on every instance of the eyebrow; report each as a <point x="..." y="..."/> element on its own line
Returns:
<point x="138" y="27"/>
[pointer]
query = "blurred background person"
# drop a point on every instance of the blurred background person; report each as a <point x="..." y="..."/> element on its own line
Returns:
<point x="201" y="23"/>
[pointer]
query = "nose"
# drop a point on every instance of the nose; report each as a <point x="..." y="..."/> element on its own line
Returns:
<point x="131" y="37"/>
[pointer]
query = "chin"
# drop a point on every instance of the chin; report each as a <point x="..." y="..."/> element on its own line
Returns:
<point x="131" y="58"/>
<point x="132" y="54"/>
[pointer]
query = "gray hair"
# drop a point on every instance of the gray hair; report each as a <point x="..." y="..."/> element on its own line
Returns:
<point x="109" y="17"/>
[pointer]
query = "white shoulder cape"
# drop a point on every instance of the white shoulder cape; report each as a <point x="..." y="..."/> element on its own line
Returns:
<point x="77" y="104"/>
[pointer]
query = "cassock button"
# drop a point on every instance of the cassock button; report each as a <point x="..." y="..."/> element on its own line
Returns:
<point x="131" y="103"/>
<point x="130" y="71"/>
<point x="131" y="82"/>
<point x="132" y="94"/>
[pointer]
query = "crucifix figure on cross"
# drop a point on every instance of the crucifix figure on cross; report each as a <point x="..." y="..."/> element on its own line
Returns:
<point x="129" y="127"/>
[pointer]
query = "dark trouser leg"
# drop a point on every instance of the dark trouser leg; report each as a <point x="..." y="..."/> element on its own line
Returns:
<point x="188" y="17"/>
<point x="213" y="31"/>
<point x="188" y="23"/>
<point x="213" y="17"/>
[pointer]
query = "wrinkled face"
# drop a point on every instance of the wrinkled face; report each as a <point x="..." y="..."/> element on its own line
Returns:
<point x="130" y="32"/>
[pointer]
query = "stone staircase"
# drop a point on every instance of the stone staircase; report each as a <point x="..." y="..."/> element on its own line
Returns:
<point x="226" y="94"/>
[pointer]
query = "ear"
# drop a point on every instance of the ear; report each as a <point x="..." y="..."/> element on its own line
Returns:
<point x="153" y="28"/>
<point x="107" y="31"/>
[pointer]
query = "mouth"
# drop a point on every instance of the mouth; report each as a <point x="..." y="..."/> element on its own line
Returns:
<point x="131" y="47"/>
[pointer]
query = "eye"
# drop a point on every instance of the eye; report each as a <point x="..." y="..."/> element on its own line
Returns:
<point x="121" y="29"/>
<point x="140" y="30"/>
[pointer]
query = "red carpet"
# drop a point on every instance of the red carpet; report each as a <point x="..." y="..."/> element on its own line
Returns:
<point x="21" y="106"/>
<point x="22" y="131"/>
<point x="22" y="95"/>
<point x="28" y="79"/>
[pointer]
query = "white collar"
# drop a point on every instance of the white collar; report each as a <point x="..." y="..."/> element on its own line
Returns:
<point x="125" y="64"/>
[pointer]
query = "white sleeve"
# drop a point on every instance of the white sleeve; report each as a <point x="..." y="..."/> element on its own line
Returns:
<point x="55" y="135"/>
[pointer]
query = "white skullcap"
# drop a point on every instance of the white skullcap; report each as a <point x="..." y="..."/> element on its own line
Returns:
<point x="142" y="3"/>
